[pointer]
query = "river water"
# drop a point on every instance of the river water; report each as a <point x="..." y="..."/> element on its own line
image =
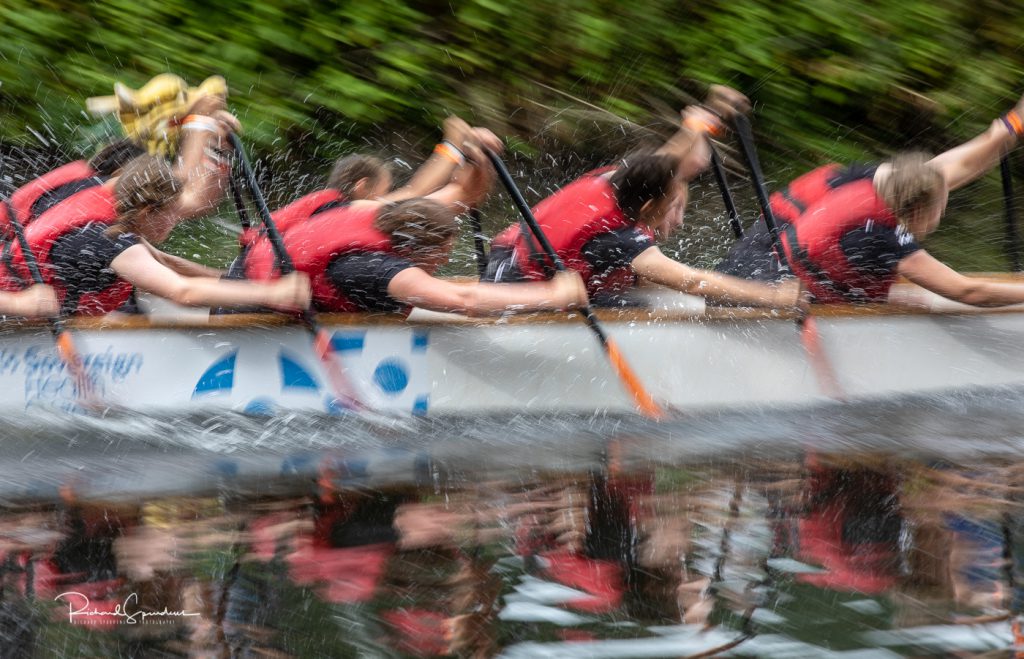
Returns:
<point x="882" y="529"/>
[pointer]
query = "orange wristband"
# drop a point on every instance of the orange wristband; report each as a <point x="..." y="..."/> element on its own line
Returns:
<point x="1013" y="123"/>
<point x="451" y="152"/>
<point x="700" y="126"/>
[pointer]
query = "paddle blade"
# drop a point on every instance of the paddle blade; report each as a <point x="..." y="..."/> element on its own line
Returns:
<point x="823" y="371"/>
<point x="644" y="401"/>
<point x="337" y="380"/>
<point x="73" y="362"/>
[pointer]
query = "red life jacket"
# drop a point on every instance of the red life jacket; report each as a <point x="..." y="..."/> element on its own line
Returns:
<point x="95" y="205"/>
<point x="313" y="244"/>
<point x="32" y="199"/>
<point x="812" y="243"/>
<point x="296" y="212"/>
<point x="570" y="218"/>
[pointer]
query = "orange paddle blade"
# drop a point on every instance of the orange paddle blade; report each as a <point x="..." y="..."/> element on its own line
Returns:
<point x="69" y="355"/>
<point x="826" y="375"/>
<point x="644" y="401"/>
<point x="337" y="380"/>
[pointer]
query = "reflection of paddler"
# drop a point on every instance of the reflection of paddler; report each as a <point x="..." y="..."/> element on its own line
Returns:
<point x="851" y="528"/>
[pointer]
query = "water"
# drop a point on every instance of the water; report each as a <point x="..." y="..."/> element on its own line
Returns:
<point x="888" y="529"/>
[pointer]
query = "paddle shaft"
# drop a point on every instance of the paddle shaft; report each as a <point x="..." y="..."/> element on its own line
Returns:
<point x="531" y="222"/>
<point x="236" y="195"/>
<point x="1012" y="235"/>
<point x="723" y="185"/>
<point x="644" y="401"/>
<point x="746" y="139"/>
<point x="476" y="225"/>
<point x="322" y="343"/>
<point x="65" y="344"/>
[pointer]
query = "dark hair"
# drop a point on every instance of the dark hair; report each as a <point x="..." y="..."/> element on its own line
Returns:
<point x="643" y="177"/>
<point x="348" y="171"/>
<point x="415" y="224"/>
<point x="114" y="156"/>
<point x="146" y="182"/>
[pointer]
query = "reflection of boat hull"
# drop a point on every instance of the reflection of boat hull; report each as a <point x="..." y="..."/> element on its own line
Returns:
<point x="539" y="365"/>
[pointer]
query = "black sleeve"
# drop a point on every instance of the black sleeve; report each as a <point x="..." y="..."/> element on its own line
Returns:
<point x="364" y="279"/>
<point x="877" y="251"/>
<point x="82" y="258"/>
<point x="616" y="249"/>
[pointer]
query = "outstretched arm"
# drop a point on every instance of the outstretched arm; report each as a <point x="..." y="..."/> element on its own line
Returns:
<point x="138" y="266"/>
<point x="963" y="164"/>
<point x="414" y="286"/>
<point x="36" y="301"/>
<point x="654" y="266"/>
<point x="929" y="273"/>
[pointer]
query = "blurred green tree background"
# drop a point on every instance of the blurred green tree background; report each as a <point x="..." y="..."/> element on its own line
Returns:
<point x="831" y="80"/>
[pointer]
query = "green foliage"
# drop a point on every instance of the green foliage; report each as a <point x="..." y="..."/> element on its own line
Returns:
<point x="831" y="79"/>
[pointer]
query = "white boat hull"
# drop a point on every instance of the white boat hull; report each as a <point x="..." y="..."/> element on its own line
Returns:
<point x="459" y="368"/>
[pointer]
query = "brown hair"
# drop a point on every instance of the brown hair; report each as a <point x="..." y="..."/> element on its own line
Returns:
<point x="644" y="177"/>
<point x="349" y="170"/>
<point x="146" y="183"/>
<point x="416" y="224"/>
<point x="114" y="156"/>
<point x="912" y="187"/>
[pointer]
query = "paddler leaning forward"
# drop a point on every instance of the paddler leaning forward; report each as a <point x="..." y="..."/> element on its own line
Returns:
<point x="604" y="225"/>
<point x="848" y="231"/>
<point x="381" y="256"/>
<point x="98" y="244"/>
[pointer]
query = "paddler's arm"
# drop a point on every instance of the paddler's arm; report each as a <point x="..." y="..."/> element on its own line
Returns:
<point x="36" y="301"/>
<point x="137" y="265"/>
<point x="687" y="145"/>
<point x="929" y="273"/>
<point x="203" y="164"/>
<point x="471" y="182"/>
<point x="654" y="266"/>
<point x="182" y="266"/>
<point x="416" y="287"/>
<point x="448" y="156"/>
<point x="965" y="163"/>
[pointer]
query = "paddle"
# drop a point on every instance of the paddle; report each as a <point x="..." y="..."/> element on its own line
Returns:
<point x="62" y="336"/>
<point x="644" y="401"/>
<point x="809" y="335"/>
<point x="723" y="185"/>
<point x="476" y="224"/>
<point x="322" y="343"/>
<point x="1012" y="237"/>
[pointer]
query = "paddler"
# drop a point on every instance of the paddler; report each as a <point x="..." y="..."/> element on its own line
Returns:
<point x="849" y="231"/>
<point x="361" y="177"/>
<point x="605" y="224"/>
<point x="98" y="244"/>
<point x="377" y="255"/>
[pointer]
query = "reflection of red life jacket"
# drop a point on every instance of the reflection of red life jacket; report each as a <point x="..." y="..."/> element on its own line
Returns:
<point x="852" y="530"/>
<point x="315" y="243"/>
<point x="829" y="202"/>
<point x="570" y="218"/>
<point x="296" y="212"/>
<point x="30" y="200"/>
<point x="95" y="205"/>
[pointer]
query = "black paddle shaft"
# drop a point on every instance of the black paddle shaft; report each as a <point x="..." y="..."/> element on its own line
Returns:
<point x="1012" y="236"/>
<point x="746" y="138"/>
<point x="723" y="185"/>
<point x="26" y="250"/>
<point x="531" y="221"/>
<point x="476" y="225"/>
<point x="284" y="261"/>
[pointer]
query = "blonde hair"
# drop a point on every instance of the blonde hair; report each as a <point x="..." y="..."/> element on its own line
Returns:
<point x="912" y="188"/>
<point x="146" y="183"/>
<point x="417" y="224"/>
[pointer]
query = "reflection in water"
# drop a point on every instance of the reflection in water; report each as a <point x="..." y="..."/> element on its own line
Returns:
<point x="630" y="555"/>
